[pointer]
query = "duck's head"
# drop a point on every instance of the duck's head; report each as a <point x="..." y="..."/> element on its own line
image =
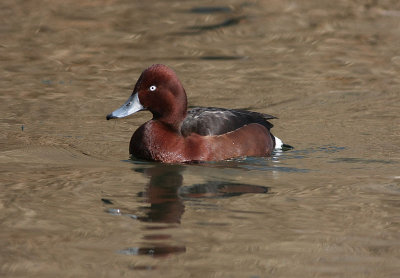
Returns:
<point x="158" y="90"/>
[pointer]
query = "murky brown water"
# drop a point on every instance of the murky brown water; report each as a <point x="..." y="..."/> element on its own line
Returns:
<point x="73" y="205"/>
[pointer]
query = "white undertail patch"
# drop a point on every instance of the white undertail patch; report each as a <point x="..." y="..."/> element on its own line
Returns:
<point x="278" y="144"/>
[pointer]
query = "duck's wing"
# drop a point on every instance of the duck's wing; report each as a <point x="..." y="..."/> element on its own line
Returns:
<point x="217" y="121"/>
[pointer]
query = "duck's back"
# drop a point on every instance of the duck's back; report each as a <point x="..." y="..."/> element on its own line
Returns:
<point x="216" y="121"/>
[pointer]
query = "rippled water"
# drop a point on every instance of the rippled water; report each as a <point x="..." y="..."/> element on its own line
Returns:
<point x="74" y="205"/>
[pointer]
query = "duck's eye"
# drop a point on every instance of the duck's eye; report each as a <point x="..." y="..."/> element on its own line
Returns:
<point x="153" y="88"/>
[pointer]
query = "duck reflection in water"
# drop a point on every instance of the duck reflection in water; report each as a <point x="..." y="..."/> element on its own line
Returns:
<point x="162" y="193"/>
<point x="166" y="195"/>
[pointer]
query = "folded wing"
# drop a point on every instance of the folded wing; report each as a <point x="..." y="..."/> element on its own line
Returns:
<point x="217" y="121"/>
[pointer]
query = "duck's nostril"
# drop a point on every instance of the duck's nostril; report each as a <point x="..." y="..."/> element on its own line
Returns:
<point x="129" y="103"/>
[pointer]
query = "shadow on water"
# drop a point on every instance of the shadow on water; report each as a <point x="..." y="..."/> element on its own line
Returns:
<point x="165" y="196"/>
<point x="211" y="10"/>
<point x="226" y="23"/>
<point x="198" y="29"/>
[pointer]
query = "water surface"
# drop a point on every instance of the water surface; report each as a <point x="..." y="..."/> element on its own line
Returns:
<point x="73" y="204"/>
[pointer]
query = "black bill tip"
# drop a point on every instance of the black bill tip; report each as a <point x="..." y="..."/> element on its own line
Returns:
<point x="110" y="116"/>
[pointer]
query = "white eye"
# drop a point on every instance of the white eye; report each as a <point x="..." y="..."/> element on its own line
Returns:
<point x="153" y="88"/>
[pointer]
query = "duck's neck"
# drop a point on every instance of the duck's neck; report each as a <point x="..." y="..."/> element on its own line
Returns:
<point x="173" y="115"/>
<point x="173" y="120"/>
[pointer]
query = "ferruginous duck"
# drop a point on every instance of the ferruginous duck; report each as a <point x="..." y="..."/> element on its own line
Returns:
<point x="175" y="134"/>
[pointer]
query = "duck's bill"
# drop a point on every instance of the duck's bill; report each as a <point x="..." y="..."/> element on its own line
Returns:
<point x="132" y="105"/>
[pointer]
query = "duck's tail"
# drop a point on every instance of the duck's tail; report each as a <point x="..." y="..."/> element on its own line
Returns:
<point x="279" y="145"/>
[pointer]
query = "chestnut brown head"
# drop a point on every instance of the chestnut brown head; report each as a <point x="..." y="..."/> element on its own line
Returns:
<point x="159" y="90"/>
